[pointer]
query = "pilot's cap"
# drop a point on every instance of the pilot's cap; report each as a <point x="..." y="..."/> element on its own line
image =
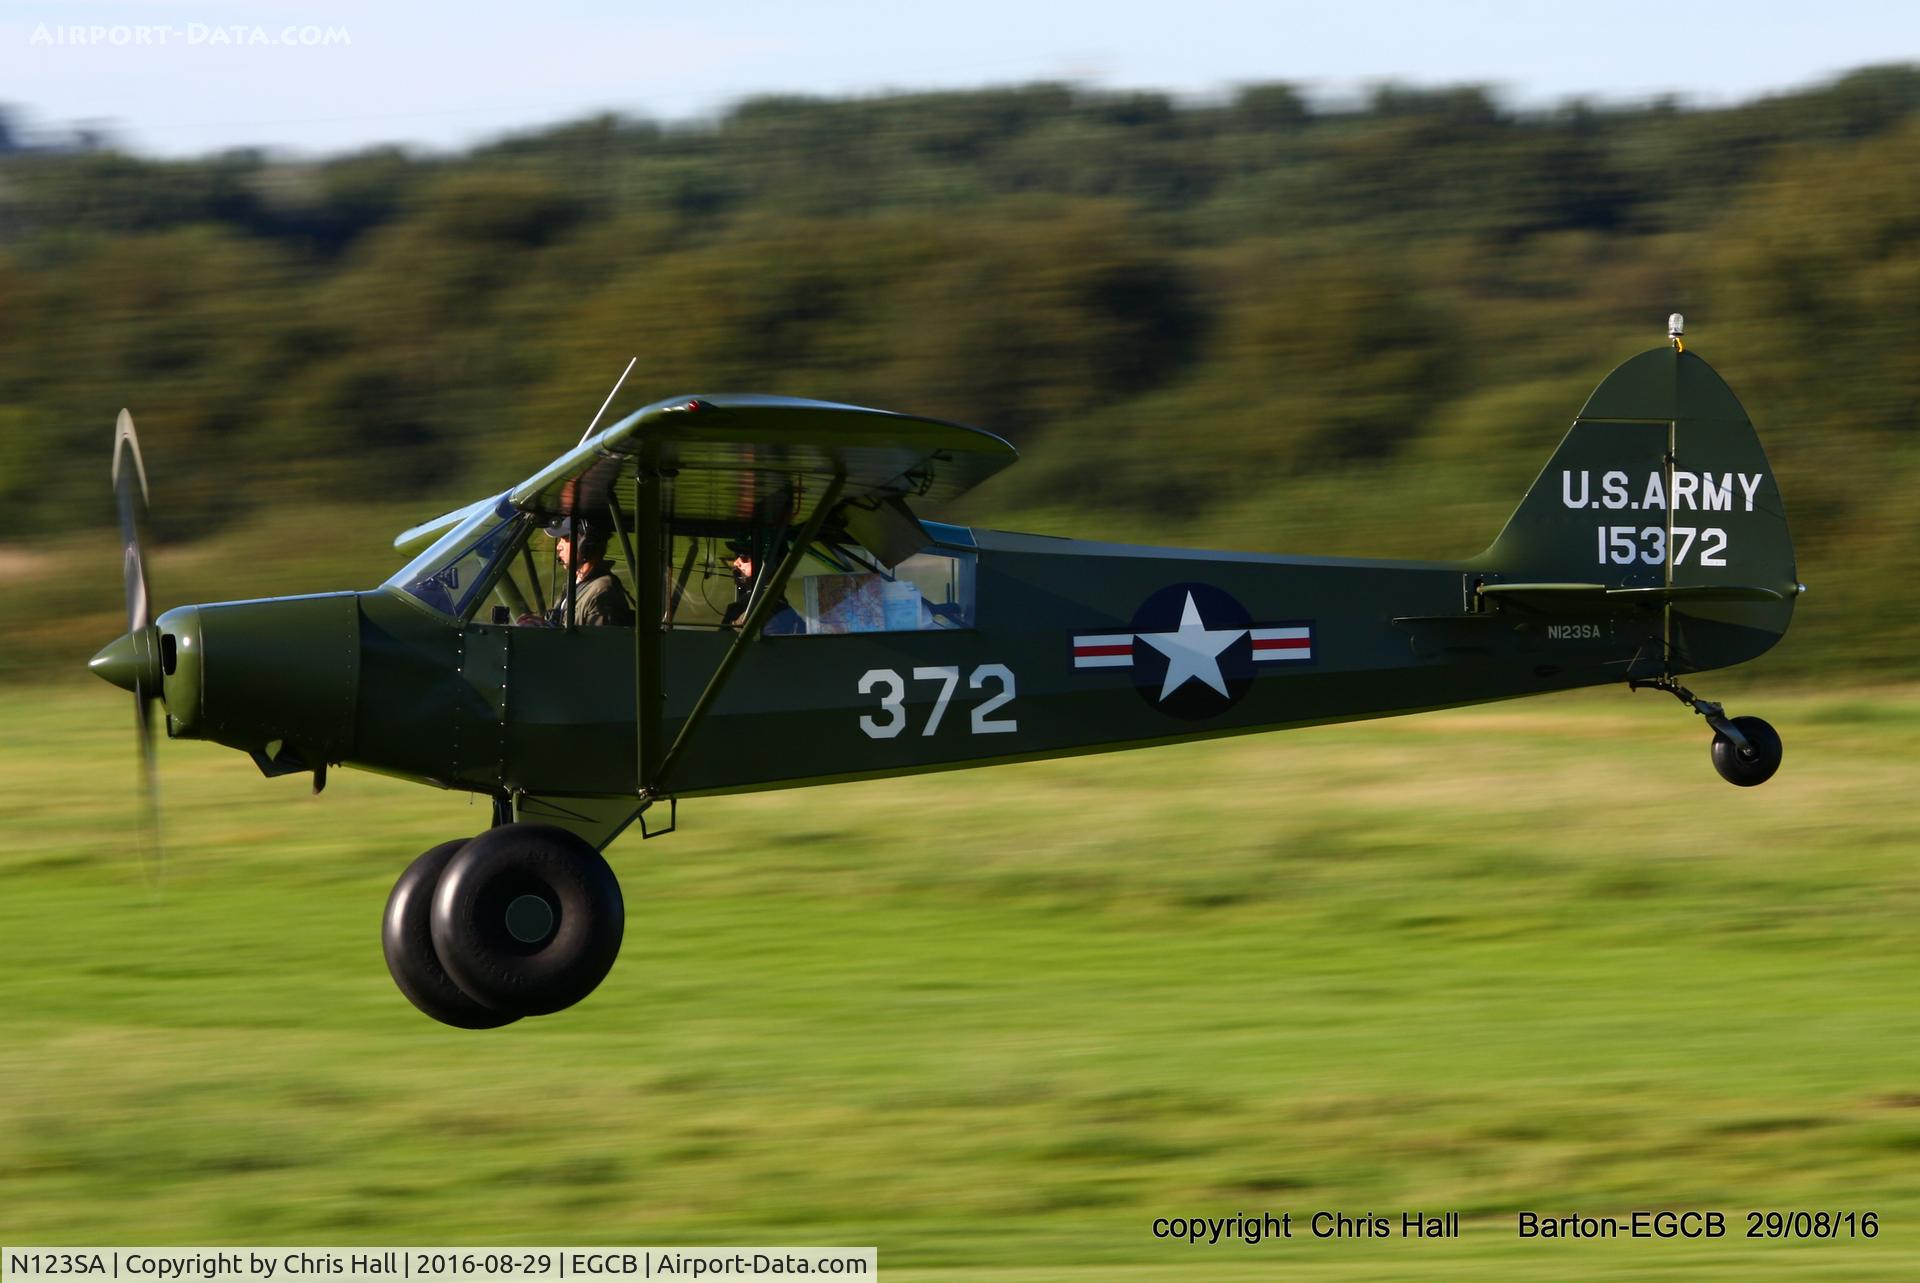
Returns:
<point x="739" y="548"/>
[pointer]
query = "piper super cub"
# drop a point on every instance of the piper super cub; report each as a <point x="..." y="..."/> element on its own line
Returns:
<point x="799" y="622"/>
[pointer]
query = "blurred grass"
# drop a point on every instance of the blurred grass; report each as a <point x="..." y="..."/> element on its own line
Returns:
<point x="1533" y="956"/>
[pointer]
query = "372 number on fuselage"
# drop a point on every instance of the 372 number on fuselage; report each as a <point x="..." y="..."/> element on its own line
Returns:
<point x="892" y="689"/>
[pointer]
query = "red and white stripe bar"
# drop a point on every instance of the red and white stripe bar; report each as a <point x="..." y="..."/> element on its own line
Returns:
<point x="1106" y="650"/>
<point x="1282" y="643"/>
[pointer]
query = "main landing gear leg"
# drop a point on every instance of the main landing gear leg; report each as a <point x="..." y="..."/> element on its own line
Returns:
<point x="1746" y="750"/>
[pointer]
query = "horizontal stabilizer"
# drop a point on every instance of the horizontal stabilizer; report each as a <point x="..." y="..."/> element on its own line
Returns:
<point x="1685" y="594"/>
<point x="1558" y="598"/>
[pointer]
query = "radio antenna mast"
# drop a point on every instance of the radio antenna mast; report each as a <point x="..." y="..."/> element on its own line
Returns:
<point x="604" y="404"/>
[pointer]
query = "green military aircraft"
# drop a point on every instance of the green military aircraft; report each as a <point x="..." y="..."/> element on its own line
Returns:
<point x="801" y="623"/>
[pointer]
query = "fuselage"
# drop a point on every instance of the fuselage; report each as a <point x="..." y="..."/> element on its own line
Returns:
<point x="1075" y="647"/>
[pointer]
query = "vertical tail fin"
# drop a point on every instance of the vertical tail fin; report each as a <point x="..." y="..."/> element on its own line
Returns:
<point x="1661" y="484"/>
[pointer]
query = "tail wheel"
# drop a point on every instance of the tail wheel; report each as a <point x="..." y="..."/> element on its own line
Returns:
<point x="1754" y="766"/>
<point x="528" y="918"/>
<point x="406" y="937"/>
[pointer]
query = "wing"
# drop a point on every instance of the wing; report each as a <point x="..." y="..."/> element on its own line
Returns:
<point x="738" y="457"/>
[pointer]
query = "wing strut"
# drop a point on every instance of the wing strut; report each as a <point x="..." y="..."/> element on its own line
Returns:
<point x="757" y="613"/>
<point x="649" y="563"/>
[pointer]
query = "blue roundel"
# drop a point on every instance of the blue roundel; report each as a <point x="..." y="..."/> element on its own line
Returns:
<point x="1192" y="653"/>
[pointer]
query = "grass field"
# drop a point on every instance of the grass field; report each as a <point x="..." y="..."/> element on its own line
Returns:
<point x="1529" y="957"/>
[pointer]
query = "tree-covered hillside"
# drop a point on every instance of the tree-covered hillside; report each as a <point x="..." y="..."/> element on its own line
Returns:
<point x="1258" y="322"/>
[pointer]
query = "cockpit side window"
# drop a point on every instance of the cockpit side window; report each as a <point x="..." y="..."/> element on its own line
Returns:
<point x="838" y="586"/>
<point x="600" y="544"/>
<point x="843" y="588"/>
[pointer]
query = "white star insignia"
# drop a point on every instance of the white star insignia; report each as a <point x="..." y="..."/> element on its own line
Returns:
<point x="1192" y="651"/>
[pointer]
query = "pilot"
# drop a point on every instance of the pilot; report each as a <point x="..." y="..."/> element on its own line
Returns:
<point x="598" y="597"/>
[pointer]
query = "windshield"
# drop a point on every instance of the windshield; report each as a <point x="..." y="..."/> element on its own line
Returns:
<point x="452" y="575"/>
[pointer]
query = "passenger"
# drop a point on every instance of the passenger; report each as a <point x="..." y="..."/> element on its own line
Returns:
<point x="598" y="597"/>
<point x="785" y="621"/>
<point x="740" y="559"/>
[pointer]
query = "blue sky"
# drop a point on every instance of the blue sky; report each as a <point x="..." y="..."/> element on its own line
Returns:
<point x="211" y="75"/>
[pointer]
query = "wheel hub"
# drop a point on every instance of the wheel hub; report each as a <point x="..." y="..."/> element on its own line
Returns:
<point x="529" y="918"/>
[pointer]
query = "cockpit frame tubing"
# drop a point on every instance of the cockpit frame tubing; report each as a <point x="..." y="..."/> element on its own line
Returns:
<point x="573" y="559"/>
<point x="756" y="617"/>
<point x="533" y="576"/>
